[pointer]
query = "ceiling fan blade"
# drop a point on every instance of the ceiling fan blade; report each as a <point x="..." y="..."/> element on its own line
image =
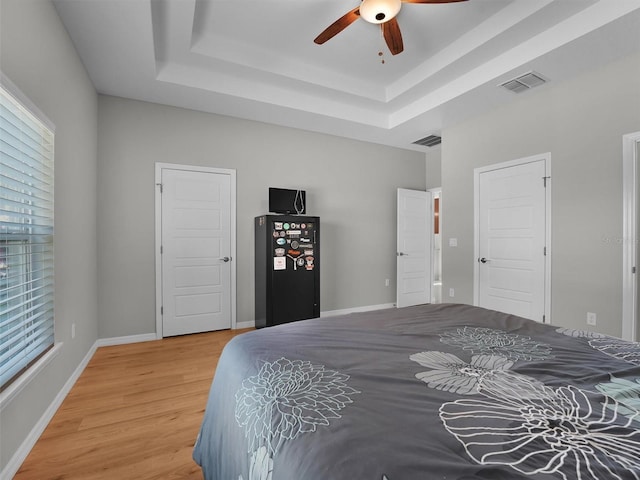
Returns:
<point x="338" y="26"/>
<point x="392" y="35"/>
<point x="432" y="1"/>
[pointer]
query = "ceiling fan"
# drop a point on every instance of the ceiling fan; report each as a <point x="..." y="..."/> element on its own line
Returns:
<point x="382" y="12"/>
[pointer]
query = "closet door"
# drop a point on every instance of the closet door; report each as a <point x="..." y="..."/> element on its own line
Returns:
<point x="196" y="252"/>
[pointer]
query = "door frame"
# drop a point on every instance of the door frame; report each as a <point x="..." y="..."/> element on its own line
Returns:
<point x="158" y="233"/>
<point x="629" y="234"/>
<point x="546" y="157"/>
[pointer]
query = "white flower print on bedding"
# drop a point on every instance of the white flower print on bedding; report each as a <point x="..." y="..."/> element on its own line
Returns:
<point x="260" y="465"/>
<point x="556" y="431"/>
<point x="489" y="341"/>
<point x="570" y="332"/>
<point x="287" y="398"/>
<point x="626" y="392"/>
<point x="451" y="374"/>
<point x="612" y="346"/>
<point x="618" y="348"/>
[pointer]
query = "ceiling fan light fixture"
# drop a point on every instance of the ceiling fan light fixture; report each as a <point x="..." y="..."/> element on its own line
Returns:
<point x="379" y="11"/>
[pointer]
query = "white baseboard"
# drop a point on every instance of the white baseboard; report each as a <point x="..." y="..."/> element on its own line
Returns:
<point x="12" y="467"/>
<point x="249" y="324"/>
<point x="367" y="308"/>
<point x="108" y="342"/>
<point x="21" y="454"/>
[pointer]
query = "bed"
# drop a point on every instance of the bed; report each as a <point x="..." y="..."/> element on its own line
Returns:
<point x="450" y="392"/>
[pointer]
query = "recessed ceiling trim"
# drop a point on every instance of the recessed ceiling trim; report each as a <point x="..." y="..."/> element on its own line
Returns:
<point x="498" y="23"/>
<point x="562" y="33"/>
<point x="162" y="59"/>
<point x="270" y="93"/>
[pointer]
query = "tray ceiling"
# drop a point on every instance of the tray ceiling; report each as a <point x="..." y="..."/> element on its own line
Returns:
<point x="257" y="59"/>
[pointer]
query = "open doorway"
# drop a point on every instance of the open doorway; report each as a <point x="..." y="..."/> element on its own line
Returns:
<point x="436" y="289"/>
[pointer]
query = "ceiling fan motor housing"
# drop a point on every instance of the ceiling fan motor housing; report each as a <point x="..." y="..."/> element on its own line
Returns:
<point x="379" y="11"/>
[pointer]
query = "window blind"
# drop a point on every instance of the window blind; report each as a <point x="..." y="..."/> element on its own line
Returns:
<point x="26" y="238"/>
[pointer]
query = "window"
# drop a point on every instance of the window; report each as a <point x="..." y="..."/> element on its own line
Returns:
<point x="26" y="237"/>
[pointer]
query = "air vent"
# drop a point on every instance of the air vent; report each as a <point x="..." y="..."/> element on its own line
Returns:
<point x="430" y="141"/>
<point x="524" y="82"/>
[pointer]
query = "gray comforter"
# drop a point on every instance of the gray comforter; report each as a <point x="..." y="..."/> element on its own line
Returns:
<point x="432" y="392"/>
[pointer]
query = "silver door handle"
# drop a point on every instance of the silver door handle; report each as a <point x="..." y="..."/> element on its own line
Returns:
<point x="225" y="259"/>
<point x="401" y="254"/>
<point x="483" y="260"/>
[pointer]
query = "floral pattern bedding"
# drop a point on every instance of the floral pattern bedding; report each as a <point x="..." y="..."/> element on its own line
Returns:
<point x="449" y="392"/>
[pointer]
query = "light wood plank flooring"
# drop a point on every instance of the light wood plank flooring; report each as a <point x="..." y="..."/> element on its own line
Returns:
<point x="134" y="413"/>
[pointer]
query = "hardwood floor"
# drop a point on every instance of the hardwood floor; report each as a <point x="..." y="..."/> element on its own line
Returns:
<point x="134" y="413"/>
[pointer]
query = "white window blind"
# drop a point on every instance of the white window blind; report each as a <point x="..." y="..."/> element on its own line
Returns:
<point x="26" y="238"/>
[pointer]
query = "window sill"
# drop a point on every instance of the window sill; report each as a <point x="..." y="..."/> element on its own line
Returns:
<point x="16" y="387"/>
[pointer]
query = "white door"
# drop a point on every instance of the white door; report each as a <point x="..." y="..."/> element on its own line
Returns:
<point x="631" y="235"/>
<point x="196" y="251"/>
<point x="511" y="239"/>
<point x="413" y="257"/>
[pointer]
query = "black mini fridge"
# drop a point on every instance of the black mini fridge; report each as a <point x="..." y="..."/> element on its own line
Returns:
<point x="287" y="268"/>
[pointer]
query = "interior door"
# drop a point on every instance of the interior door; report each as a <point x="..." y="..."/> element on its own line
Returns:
<point x="634" y="335"/>
<point x="414" y="249"/>
<point x="631" y="235"/>
<point x="511" y="211"/>
<point x="196" y="251"/>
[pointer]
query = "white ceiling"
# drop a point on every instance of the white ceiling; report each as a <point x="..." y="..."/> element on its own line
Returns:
<point x="256" y="59"/>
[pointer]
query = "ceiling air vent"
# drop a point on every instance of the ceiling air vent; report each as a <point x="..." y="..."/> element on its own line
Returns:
<point x="524" y="82"/>
<point x="430" y="141"/>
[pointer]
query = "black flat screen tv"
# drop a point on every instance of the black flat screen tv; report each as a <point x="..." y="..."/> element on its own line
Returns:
<point x="283" y="200"/>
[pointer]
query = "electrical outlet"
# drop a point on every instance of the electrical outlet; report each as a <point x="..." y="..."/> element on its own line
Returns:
<point x="591" y="318"/>
<point x="386" y="282"/>
<point x="452" y="292"/>
<point x="73" y="330"/>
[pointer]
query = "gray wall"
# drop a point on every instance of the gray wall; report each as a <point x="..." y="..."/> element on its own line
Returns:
<point x="581" y="122"/>
<point x="434" y="166"/>
<point x="351" y="185"/>
<point x="39" y="58"/>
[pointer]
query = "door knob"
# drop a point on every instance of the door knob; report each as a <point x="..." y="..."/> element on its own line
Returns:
<point x="225" y="259"/>
<point x="401" y="254"/>
<point x="483" y="260"/>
